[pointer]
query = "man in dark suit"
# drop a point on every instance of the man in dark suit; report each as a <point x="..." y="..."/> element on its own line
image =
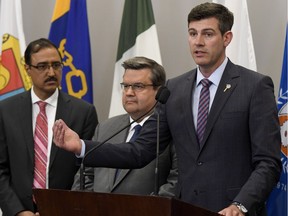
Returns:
<point x="17" y="124"/>
<point x="141" y="80"/>
<point x="234" y="165"/>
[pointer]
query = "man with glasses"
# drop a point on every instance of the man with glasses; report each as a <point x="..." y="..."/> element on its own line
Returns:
<point x="28" y="157"/>
<point x="141" y="80"/>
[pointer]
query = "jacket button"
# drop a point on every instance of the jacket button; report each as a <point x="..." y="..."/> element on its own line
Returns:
<point x="200" y="163"/>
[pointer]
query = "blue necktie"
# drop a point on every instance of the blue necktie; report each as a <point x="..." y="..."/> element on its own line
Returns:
<point x="136" y="133"/>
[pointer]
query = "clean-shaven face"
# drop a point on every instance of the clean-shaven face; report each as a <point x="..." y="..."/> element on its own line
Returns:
<point x="137" y="103"/>
<point x="207" y="44"/>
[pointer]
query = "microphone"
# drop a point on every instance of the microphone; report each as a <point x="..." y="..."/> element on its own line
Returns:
<point x="161" y="96"/>
<point x="162" y="99"/>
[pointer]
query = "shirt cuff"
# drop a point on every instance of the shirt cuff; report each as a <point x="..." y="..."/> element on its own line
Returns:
<point x="83" y="148"/>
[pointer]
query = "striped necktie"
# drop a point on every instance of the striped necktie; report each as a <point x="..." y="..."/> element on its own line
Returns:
<point x="40" y="147"/>
<point x="203" y="109"/>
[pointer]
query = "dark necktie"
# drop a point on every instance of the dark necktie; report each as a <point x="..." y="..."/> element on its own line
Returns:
<point x="40" y="147"/>
<point x="136" y="133"/>
<point x="137" y="129"/>
<point x="203" y="109"/>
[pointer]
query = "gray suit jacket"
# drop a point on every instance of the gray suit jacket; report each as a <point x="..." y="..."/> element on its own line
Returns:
<point x="240" y="155"/>
<point x="130" y="181"/>
<point x="17" y="148"/>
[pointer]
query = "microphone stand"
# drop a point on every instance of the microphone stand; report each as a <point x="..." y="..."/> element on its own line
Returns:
<point x="82" y="176"/>
<point x="156" y="183"/>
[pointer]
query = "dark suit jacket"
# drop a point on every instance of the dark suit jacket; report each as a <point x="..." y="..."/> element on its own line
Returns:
<point x="240" y="154"/>
<point x="17" y="148"/>
<point x="130" y="181"/>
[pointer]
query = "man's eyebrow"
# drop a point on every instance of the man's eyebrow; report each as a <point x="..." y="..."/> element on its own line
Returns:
<point x="206" y="29"/>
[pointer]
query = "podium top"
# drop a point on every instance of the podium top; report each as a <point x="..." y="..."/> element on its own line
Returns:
<point x="80" y="203"/>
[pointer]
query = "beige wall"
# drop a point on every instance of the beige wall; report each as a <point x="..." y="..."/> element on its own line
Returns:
<point x="268" y="21"/>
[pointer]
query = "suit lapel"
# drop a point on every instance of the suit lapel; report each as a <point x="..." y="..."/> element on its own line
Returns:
<point x="121" y="137"/>
<point x="229" y="77"/>
<point x="63" y="111"/>
<point x="122" y="174"/>
<point x="111" y="173"/>
<point x="187" y="92"/>
<point x="26" y="125"/>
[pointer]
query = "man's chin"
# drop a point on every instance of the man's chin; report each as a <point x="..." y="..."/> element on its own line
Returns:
<point x="130" y="108"/>
<point x="200" y="61"/>
<point x="51" y="88"/>
<point x="130" y="104"/>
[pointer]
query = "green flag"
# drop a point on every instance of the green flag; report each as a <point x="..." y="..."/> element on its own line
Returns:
<point x="138" y="37"/>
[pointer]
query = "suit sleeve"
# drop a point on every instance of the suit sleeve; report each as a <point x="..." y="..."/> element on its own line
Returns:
<point x="169" y="189"/>
<point x="265" y="146"/>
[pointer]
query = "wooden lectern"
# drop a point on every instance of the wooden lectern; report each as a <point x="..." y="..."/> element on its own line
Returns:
<point x="79" y="203"/>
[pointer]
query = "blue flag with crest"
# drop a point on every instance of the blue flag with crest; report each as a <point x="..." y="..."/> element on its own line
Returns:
<point x="70" y="32"/>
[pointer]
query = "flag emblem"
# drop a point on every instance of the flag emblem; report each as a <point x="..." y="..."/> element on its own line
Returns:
<point x="72" y="73"/>
<point x="13" y="76"/>
<point x="283" y="119"/>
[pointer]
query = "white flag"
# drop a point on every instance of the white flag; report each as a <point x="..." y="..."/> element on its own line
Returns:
<point x="241" y="49"/>
<point x="138" y="37"/>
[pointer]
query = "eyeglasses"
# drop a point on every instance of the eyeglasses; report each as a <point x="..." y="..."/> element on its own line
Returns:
<point x="135" y="86"/>
<point x="57" y="66"/>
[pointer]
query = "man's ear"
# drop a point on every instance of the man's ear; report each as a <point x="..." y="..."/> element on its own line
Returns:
<point x="227" y="38"/>
<point x="27" y="68"/>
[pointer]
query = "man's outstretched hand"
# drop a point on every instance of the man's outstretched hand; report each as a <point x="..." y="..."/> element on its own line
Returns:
<point x="66" y="138"/>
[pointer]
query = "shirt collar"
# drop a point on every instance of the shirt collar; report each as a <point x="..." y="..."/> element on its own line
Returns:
<point x="137" y="123"/>
<point x="52" y="100"/>
<point x="215" y="77"/>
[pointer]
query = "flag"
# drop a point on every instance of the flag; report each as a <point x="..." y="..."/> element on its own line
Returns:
<point x="70" y="32"/>
<point x="13" y="77"/>
<point x="277" y="202"/>
<point x="138" y="37"/>
<point x="241" y="49"/>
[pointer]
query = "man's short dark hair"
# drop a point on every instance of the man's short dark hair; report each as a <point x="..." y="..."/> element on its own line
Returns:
<point x="36" y="46"/>
<point x="209" y="10"/>
<point x="158" y="75"/>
